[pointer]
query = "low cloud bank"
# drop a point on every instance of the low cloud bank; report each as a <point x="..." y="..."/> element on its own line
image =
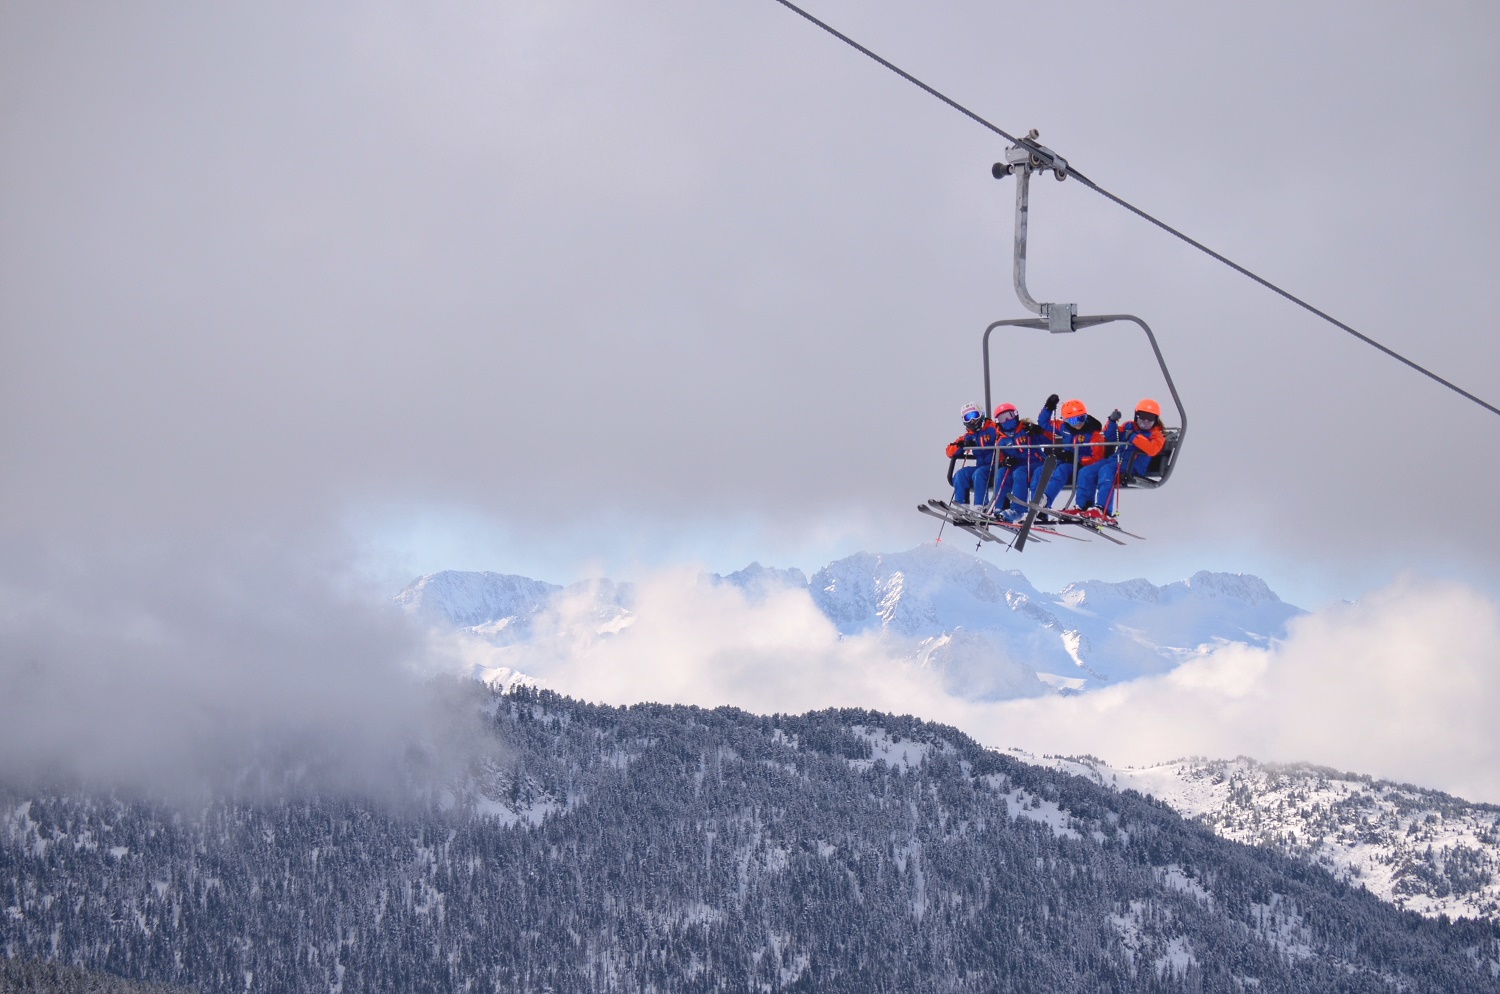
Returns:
<point x="690" y="640"/>
<point x="1403" y="685"/>
<point x="174" y="669"/>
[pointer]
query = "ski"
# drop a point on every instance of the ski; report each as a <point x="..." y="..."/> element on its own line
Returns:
<point x="954" y="516"/>
<point x="1078" y="521"/>
<point x="1038" y="530"/>
<point x="959" y="514"/>
<point x="968" y="525"/>
<point x="980" y="529"/>
<point x="1099" y="530"/>
<point x="1100" y="527"/>
<point x="1048" y="465"/>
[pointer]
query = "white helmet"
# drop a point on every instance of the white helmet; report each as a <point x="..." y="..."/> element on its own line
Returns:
<point x="972" y="412"/>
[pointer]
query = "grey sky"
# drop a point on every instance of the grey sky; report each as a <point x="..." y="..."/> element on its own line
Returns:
<point x="517" y="277"/>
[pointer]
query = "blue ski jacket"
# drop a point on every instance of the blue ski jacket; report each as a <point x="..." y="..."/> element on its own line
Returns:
<point x="1027" y="443"/>
<point x="1087" y="442"/>
<point x="983" y="441"/>
<point x="1144" y="446"/>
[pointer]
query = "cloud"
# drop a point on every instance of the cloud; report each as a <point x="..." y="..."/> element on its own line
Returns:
<point x="1404" y="684"/>
<point x="694" y="641"/>
<point x="173" y="667"/>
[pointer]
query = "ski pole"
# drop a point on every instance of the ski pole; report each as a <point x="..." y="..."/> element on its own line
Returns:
<point x="995" y="498"/>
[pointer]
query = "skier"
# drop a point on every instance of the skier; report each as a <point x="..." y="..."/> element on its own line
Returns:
<point x="1020" y="457"/>
<point x="1147" y="438"/>
<point x="1080" y="449"/>
<point x="980" y="438"/>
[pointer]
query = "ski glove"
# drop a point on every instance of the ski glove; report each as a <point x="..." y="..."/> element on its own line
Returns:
<point x="1051" y="404"/>
<point x="1114" y="415"/>
<point x="1011" y="462"/>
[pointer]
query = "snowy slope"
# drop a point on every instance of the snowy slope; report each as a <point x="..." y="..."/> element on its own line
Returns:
<point x="1418" y="849"/>
<point x="842" y="850"/>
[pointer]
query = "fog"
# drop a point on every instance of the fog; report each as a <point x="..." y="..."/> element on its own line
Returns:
<point x="175" y="671"/>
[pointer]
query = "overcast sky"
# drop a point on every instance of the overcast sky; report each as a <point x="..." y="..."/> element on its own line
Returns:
<point x="583" y="286"/>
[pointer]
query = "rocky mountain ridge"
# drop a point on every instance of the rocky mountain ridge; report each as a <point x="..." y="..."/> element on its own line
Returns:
<point x="987" y="633"/>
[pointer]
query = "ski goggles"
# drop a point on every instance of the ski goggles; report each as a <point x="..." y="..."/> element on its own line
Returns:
<point x="1077" y="420"/>
<point x="972" y="417"/>
<point x="1145" y="418"/>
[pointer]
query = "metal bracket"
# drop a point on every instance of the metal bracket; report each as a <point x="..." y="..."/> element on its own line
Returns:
<point x="1060" y="317"/>
<point x="1021" y="160"/>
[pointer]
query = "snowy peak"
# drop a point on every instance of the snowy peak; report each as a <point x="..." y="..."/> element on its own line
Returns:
<point x="1204" y="585"/>
<point x="1092" y="594"/>
<point x="917" y="593"/>
<point x="461" y="599"/>
<point x="756" y="579"/>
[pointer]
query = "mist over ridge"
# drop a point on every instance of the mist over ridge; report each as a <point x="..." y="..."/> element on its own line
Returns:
<point x="1398" y="684"/>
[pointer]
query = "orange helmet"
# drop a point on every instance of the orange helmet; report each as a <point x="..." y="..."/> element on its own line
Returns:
<point x="1072" y="409"/>
<point x="1002" y="410"/>
<point x="1149" y="406"/>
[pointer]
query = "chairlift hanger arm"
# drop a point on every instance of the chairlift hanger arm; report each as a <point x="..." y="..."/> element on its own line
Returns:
<point x="1020" y="160"/>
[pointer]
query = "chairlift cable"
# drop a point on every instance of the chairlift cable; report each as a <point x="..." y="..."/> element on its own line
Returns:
<point x="1071" y="172"/>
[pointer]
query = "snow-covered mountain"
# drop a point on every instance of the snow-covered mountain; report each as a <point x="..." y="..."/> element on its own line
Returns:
<point x="1086" y="634"/>
<point x="679" y="850"/>
<point x="503" y="609"/>
<point x="1418" y="849"/>
<point x="986" y="632"/>
<point x="502" y="602"/>
<point x="989" y="634"/>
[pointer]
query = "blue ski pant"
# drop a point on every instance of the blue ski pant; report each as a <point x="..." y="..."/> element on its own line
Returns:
<point x="975" y="478"/>
<point x="1019" y="487"/>
<point x="1095" y="485"/>
<point x="1061" y="477"/>
<point x="1103" y="483"/>
<point x="1009" y="481"/>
